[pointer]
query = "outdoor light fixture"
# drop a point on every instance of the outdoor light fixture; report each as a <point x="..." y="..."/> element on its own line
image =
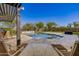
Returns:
<point x="20" y="8"/>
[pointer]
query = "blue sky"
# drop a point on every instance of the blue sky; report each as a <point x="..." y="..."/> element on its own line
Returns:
<point x="61" y="13"/>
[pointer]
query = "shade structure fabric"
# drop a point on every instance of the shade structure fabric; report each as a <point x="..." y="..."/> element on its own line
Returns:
<point x="8" y="11"/>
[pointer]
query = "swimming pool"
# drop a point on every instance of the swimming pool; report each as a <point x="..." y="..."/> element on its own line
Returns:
<point x="45" y="36"/>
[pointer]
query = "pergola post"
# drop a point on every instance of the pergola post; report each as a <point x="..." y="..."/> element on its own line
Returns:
<point x="18" y="28"/>
<point x="8" y="12"/>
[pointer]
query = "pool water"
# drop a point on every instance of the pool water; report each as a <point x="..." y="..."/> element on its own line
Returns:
<point x="45" y="36"/>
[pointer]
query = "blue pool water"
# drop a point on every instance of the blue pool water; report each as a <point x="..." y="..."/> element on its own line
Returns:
<point x="45" y="36"/>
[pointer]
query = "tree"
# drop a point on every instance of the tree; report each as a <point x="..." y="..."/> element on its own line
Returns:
<point x="39" y="26"/>
<point x="76" y="24"/>
<point x="28" y="27"/>
<point x="69" y="25"/>
<point x="50" y="25"/>
<point x="45" y="28"/>
<point x="8" y="26"/>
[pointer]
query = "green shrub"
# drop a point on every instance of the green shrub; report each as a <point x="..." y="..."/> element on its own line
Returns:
<point x="76" y="33"/>
<point x="12" y="31"/>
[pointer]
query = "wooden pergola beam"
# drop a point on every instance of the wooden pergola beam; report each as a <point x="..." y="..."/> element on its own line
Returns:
<point x="8" y="12"/>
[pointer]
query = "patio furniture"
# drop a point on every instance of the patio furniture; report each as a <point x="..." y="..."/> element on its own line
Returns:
<point x="19" y="50"/>
<point x="70" y="33"/>
<point x="3" y="51"/>
<point x="63" y="52"/>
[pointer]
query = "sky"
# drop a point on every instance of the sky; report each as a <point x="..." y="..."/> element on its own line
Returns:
<point x="60" y="13"/>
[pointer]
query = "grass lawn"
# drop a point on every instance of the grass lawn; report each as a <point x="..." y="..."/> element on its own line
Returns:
<point x="76" y="33"/>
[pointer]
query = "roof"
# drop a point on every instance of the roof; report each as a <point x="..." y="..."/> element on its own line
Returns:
<point x="8" y="11"/>
<point x="15" y="4"/>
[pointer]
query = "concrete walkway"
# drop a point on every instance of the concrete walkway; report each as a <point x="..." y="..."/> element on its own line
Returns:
<point x="39" y="49"/>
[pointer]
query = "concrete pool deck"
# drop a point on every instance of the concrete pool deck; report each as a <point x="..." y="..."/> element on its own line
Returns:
<point x="39" y="49"/>
<point x="67" y="40"/>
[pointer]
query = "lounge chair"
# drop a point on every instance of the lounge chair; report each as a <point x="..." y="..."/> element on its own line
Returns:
<point x="19" y="50"/>
<point x="3" y="47"/>
<point x="3" y="51"/>
<point x="63" y="51"/>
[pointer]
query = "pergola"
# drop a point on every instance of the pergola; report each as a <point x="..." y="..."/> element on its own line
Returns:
<point x="8" y="13"/>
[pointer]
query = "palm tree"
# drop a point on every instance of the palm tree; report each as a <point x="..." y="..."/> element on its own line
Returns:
<point x="9" y="26"/>
<point x="50" y="25"/>
<point x="28" y="27"/>
<point x="39" y="26"/>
